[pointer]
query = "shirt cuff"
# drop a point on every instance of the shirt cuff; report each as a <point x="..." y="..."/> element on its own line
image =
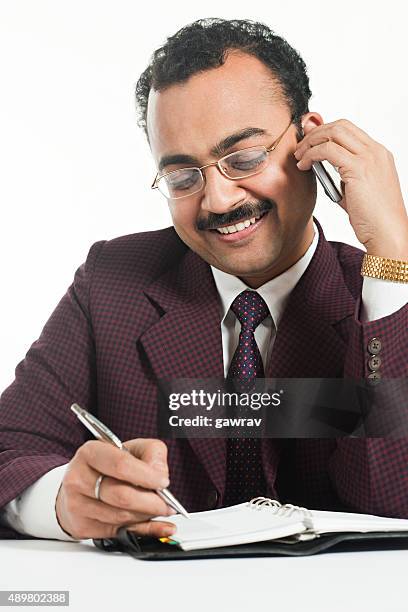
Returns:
<point x="381" y="298"/>
<point x="33" y="512"/>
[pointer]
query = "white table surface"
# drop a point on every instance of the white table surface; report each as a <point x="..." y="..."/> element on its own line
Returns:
<point x="97" y="580"/>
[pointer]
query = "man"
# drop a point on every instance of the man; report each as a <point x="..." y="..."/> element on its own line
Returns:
<point x="165" y="305"/>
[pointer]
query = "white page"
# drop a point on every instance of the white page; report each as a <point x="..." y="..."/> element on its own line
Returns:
<point x="234" y="523"/>
<point x="324" y="521"/>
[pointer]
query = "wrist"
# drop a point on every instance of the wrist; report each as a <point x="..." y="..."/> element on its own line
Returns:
<point x="56" y="509"/>
<point x="390" y="252"/>
<point x="394" y="248"/>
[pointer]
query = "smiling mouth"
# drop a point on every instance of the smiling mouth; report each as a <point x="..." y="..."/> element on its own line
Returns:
<point x="240" y="226"/>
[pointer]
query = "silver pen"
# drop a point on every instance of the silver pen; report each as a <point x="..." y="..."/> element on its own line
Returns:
<point x="100" y="431"/>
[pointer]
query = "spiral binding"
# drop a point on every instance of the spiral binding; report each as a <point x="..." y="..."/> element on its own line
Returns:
<point x="278" y="509"/>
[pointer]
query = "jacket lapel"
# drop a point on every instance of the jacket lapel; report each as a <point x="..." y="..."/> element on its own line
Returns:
<point x="307" y="344"/>
<point x="186" y="341"/>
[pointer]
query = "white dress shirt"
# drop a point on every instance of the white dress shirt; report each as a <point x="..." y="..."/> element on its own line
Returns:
<point x="33" y="512"/>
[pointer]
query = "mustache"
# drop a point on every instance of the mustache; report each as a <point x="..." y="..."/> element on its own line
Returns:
<point x="246" y="211"/>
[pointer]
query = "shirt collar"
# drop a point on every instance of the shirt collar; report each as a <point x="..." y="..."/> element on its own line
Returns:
<point x="275" y="292"/>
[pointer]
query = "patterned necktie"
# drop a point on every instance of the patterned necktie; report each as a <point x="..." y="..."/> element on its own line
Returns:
<point x="245" y="477"/>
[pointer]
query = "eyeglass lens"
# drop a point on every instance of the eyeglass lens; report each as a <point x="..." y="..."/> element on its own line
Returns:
<point x="236" y="165"/>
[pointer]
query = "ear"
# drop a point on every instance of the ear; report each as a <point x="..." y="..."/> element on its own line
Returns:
<point x="310" y="121"/>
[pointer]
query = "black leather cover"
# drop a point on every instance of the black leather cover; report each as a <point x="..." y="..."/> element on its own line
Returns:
<point x="151" y="549"/>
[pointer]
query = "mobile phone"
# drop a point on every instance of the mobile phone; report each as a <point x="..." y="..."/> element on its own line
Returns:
<point x="330" y="184"/>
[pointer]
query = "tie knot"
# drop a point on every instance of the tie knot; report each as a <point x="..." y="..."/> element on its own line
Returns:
<point x="250" y="309"/>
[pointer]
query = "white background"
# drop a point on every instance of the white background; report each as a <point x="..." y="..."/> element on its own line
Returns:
<point x="75" y="167"/>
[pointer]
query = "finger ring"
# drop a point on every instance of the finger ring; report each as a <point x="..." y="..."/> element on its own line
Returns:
<point x="98" y="486"/>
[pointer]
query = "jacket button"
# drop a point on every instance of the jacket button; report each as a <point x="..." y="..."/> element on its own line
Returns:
<point x="374" y="377"/>
<point x="212" y="498"/>
<point x="374" y="363"/>
<point x="374" y="346"/>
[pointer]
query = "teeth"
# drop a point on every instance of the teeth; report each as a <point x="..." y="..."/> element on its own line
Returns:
<point x="238" y="227"/>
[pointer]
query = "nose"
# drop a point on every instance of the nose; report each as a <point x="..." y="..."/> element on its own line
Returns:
<point x="220" y="194"/>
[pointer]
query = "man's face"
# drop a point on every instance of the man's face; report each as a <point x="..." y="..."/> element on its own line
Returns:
<point x="190" y="119"/>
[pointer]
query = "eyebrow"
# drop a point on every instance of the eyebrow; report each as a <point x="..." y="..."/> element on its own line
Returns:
<point x="217" y="151"/>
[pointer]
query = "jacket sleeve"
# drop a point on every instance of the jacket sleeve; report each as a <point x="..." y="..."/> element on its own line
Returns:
<point x="370" y="474"/>
<point x="38" y="431"/>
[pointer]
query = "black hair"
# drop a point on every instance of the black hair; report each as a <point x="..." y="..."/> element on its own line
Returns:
<point x="205" y="43"/>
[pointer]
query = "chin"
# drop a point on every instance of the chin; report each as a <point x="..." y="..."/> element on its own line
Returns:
<point x="249" y="270"/>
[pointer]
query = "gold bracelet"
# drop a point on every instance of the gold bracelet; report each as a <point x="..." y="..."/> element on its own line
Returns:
<point x="384" y="268"/>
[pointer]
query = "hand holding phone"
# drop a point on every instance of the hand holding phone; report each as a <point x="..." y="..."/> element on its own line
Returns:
<point x="369" y="182"/>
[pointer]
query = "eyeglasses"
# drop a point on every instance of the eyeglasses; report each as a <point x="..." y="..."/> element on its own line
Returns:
<point x="237" y="165"/>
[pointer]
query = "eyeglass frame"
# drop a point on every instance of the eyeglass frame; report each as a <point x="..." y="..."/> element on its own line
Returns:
<point x="218" y="164"/>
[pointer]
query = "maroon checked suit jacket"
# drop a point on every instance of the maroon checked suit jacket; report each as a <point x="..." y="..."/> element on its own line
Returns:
<point x="144" y="307"/>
